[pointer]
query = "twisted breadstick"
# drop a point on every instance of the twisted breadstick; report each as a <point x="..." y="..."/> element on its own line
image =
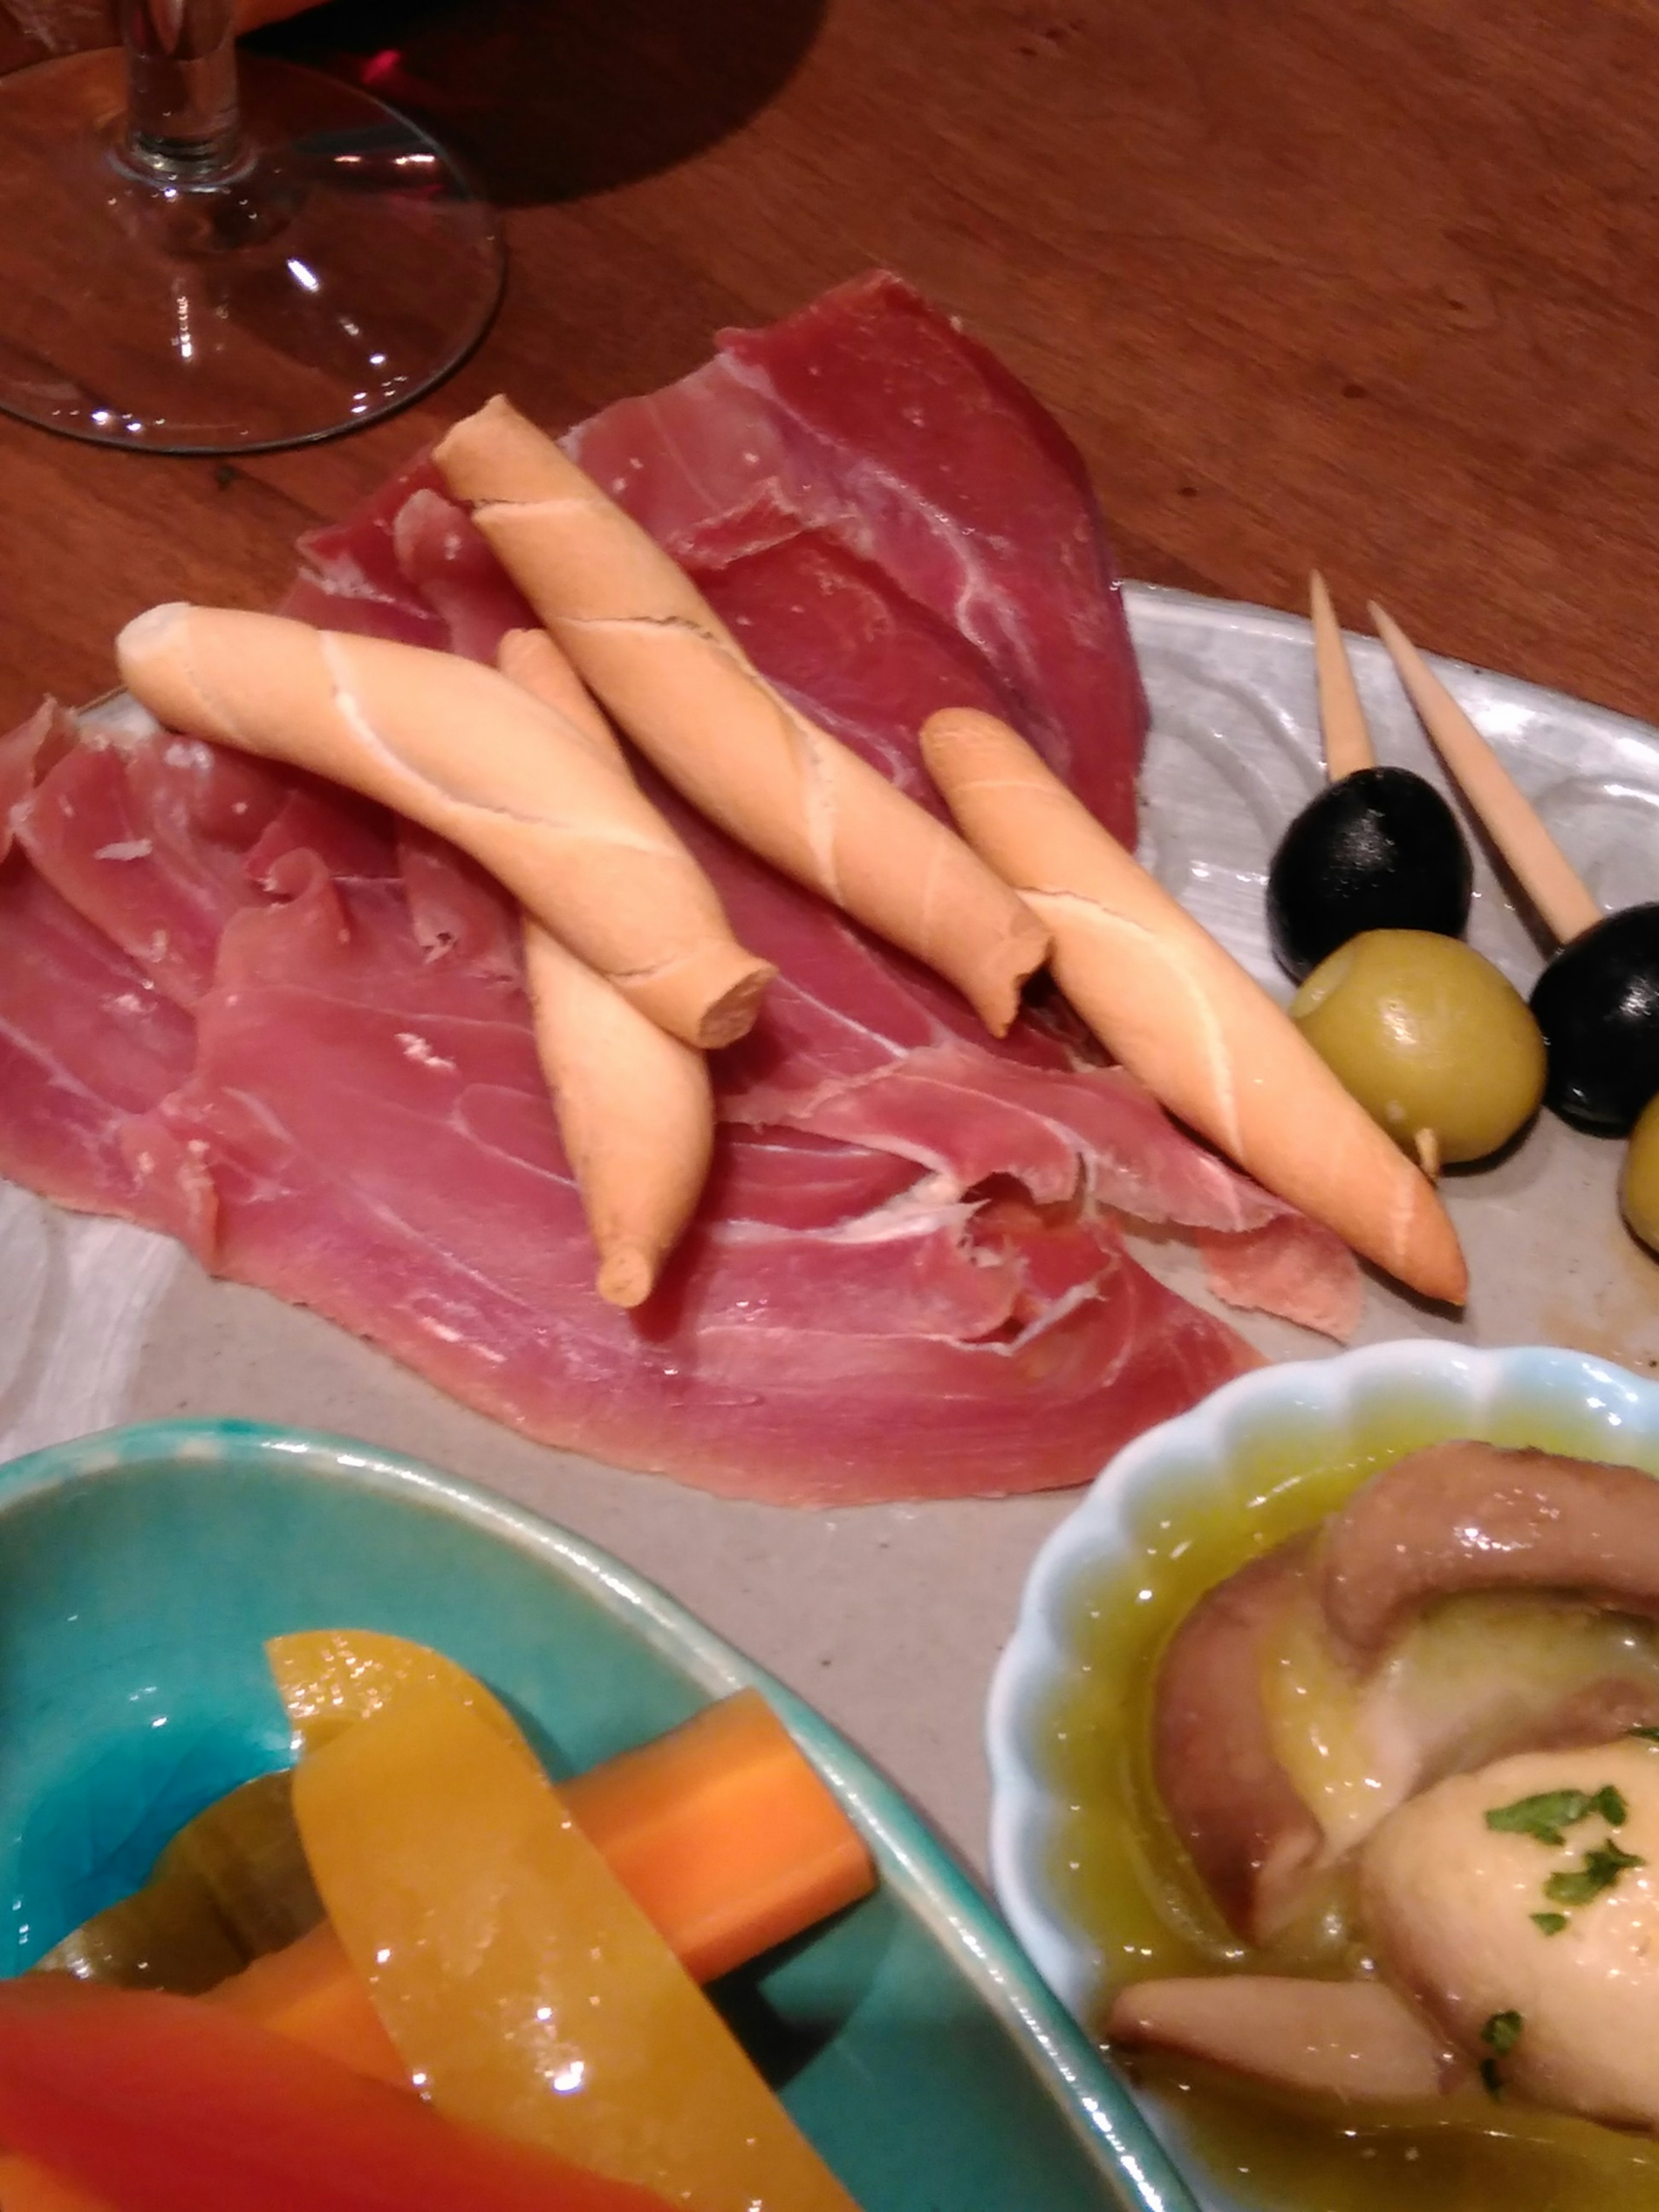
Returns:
<point x="530" y="659"/>
<point x="646" y="641"/>
<point x="635" y="1108"/>
<point x="1180" y="1012"/>
<point x="474" y="757"/>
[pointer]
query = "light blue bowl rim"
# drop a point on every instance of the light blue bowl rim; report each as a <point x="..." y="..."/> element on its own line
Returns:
<point x="914" y="1861"/>
<point x="1019" y="1802"/>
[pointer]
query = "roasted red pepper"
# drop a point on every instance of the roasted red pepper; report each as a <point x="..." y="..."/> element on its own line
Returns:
<point x="165" y="2104"/>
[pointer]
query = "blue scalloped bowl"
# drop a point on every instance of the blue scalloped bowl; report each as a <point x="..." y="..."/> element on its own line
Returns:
<point x="1268" y="1428"/>
<point x="139" y="1572"/>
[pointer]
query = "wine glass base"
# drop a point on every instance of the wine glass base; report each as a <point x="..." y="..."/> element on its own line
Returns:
<point x="346" y="268"/>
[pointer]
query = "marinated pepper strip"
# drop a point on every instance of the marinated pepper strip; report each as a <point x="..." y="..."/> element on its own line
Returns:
<point x="525" y="1989"/>
<point x="328" y="1677"/>
<point x="162" y="2104"/>
<point x="720" y="1829"/>
<point x="25" y="2186"/>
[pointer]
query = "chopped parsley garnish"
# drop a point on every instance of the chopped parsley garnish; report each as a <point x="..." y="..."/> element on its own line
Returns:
<point x="1550" y="1924"/>
<point x="1600" y="1870"/>
<point x="1547" y="1816"/>
<point x="1503" y="2032"/>
<point x="1647" y="1734"/>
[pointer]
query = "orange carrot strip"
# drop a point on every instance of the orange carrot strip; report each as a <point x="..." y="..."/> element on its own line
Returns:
<point x="724" y="1833"/>
<point x="308" y="1992"/>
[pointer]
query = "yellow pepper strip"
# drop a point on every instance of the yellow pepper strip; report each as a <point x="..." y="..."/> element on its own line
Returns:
<point x="327" y="1678"/>
<point x="525" y="1989"/>
<point x="720" y="1829"/>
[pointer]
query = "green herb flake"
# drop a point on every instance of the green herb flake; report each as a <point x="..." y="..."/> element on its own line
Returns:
<point x="1647" y="1734"/>
<point x="1613" y="1857"/>
<point x="1503" y="2032"/>
<point x="1542" y="1817"/>
<point x="1549" y="1923"/>
<point x="1601" y="1869"/>
<point x="1491" y="2077"/>
<point x="1611" y="1806"/>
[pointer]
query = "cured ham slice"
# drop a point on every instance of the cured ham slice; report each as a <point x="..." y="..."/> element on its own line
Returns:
<point x="88" y="1047"/>
<point x="419" y="1080"/>
<point x="157" y="844"/>
<point x="360" y="1126"/>
<point x="26" y="754"/>
<point x="252" y="1012"/>
<point x="873" y="577"/>
<point x="869" y="418"/>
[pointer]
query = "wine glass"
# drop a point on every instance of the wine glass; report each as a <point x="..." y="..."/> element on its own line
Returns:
<point x="200" y="259"/>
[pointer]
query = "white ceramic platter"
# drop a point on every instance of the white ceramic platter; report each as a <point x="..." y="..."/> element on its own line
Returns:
<point x="100" y="1324"/>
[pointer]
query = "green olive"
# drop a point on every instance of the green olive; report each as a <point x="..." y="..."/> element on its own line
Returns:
<point x="1434" y="1043"/>
<point x="1638" y="1190"/>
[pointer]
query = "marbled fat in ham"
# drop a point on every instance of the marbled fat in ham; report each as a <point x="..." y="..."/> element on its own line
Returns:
<point x="254" y="1013"/>
<point x="88" y="1049"/>
<point x="868" y="420"/>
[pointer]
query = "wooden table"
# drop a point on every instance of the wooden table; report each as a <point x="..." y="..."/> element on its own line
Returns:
<point x="1376" y="288"/>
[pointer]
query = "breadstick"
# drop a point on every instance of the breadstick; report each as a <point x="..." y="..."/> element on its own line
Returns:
<point x="1181" y="1014"/>
<point x="530" y="659"/>
<point x="635" y="1110"/>
<point x="459" y="747"/>
<point x="636" y="1107"/>
<point x="644" y="638"/>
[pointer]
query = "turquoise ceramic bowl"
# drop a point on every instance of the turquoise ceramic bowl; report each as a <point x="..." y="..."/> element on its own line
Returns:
<point x="1358" y="1408"/>
<point x="139" y="1572"/>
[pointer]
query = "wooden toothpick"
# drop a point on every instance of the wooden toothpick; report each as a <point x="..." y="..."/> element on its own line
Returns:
<point x="1347" y="741"/>
<point x="1536" y="860"/>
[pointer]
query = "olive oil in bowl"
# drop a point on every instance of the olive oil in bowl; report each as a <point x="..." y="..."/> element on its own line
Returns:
<point x="1118" y="1875"/>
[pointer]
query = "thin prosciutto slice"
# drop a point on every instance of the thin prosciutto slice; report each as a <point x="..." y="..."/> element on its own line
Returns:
<point x="810" y="1277"/>
<point x="876" y="572"/>
<point x="870" y="420"/>
<point x="908" y="1278"/>
<point x="351" y="1115"/>
<point x="89" y="1049"/>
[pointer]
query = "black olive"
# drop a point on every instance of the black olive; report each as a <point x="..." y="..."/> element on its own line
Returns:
<point x="1380" y="849"/>
<point x="1597" y="1003"/>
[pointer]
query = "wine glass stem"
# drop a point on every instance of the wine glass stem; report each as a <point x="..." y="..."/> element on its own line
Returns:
<point x="182" y="124"/>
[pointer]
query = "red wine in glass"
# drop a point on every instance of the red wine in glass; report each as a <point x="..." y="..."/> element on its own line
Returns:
<point x="199" y="257"/>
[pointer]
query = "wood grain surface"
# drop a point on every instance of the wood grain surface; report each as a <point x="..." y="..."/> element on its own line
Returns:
<point x="1375" y="287"/>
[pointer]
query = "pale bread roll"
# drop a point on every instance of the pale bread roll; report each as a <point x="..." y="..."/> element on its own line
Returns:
<point x="474" y="757"/>
<point x="635" y="1110"/>
<point x="647" y="642"/>
<point x="636" y="1107"/>
<point x="1181" y="1014"/>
